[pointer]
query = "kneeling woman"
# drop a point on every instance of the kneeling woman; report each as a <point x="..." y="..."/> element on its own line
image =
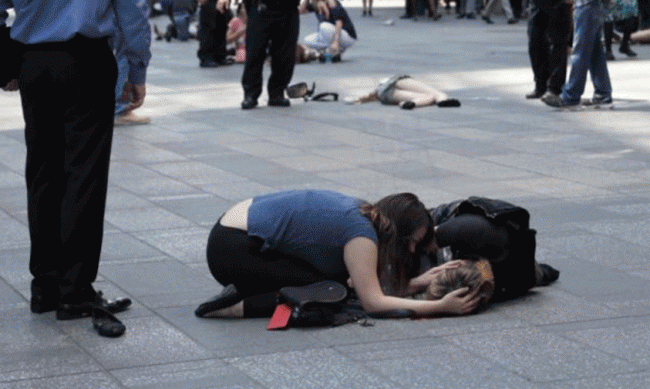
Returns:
<point x="300" y="237"/>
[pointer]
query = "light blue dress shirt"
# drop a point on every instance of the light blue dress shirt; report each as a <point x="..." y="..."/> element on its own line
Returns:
<point x="41" y="21"/>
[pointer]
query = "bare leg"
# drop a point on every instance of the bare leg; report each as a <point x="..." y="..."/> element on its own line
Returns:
<point x="641" y="36"/>
<point x="427" y="94"/>
<point x="420" y="99"/>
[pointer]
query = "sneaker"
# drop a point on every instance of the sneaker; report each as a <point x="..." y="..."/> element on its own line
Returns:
<point x="554" y="100"/>
<point x="599" y="100"/>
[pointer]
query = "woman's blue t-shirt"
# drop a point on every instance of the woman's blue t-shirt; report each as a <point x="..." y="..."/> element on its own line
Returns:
<point x="312" y="225"/>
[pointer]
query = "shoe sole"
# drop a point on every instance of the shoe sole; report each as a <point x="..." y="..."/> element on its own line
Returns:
<point x="321" y="292"/>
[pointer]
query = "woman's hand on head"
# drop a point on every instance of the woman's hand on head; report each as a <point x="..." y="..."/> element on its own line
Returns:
<point x="460" y="301"/>
<point x="430" y="274"/>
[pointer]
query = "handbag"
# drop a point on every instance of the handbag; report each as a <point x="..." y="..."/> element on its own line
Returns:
<point x="301" y="90"/>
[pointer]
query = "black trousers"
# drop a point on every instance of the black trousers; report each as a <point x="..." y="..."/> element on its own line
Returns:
<point x="549" y="34"/>
<point x="235" y="258"/>
<point x="275" y="30"/>
<point x="68" y="97"/>
<point x="213" y="26"/>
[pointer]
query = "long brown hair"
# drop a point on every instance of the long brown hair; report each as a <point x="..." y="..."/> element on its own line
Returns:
<point x="396" y="218"/>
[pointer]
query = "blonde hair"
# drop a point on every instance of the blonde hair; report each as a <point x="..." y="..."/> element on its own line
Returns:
<point x="475" y="275"/>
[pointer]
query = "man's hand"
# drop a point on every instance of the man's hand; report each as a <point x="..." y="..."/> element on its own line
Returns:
<point x="323" y="9"/>
<point x="303" y="7"/>
<point x="11" y="86"/>
<point x="222" y="5"/>
<point x="134" y="94"/>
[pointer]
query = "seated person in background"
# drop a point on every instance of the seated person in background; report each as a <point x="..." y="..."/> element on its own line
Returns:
<point x="478" y="229"/>
<point x="335" y="29"/>
<point x="236" y="34"/>
<point x="408" y="93"/>
<point x="180" y="13"/>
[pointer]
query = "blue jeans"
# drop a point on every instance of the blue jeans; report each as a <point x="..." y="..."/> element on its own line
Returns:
<point x="588" y="54"/>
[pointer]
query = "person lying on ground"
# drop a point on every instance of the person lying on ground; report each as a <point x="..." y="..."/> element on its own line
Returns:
<point x="406" y="92"/>
<point x="478" y="229"/>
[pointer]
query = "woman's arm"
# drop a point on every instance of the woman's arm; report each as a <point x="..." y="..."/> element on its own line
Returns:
<point x="335" y="45"/>
<point x="236" y="29"/>
<point x="360" y="256"/>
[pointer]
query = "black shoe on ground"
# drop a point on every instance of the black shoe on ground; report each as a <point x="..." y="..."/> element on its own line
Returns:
<point x="106" y="324"/>
<point x="627" y="51"/>
<point x="470" y="16"/>
<point x="549" y="275"/>
<point x="536" y="94"/>
<point x="85" y="309"/>
<point x="487" y="19"/>
<point x="279" y="101"/>
<point x="610" y="56"/>
<point x="208" y="63"/>
<point x="228" y="297"/>
<point x="249" y="103"/>
<point x="42" y="302"/>
<point x="513" y="21"/>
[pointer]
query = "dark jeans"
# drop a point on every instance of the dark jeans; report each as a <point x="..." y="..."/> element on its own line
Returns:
<point x="68" y="98"/>
<point x="235" y="258"/>
<point x="275" y="30"/>
<point x="548" y="40"/>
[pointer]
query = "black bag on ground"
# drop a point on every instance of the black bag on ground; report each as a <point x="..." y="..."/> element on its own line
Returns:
<point x="323" y="304"/>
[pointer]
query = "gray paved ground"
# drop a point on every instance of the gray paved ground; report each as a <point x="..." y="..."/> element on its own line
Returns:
<point x="583" y="175"/>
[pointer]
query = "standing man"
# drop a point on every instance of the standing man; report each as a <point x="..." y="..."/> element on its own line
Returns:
<point x="549" y="30"/>
<point x="213" y="25"/>
<point x="272" y="24"/>
<point x="588" y="56"/>
<point x="67" y="85"/>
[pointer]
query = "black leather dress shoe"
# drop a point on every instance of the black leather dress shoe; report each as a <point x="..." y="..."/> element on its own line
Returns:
<point x="249" y="103"/>
<point x="41" y="303"/>
<point x="228" y="297"/>
<point x="106" y="324"/>
<point x="536" y="94"/>
<point x="45" y="295"/>
<point x="85" y="309"/>
<point x="279" y="101"/>
<point x="209" y="64"/>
